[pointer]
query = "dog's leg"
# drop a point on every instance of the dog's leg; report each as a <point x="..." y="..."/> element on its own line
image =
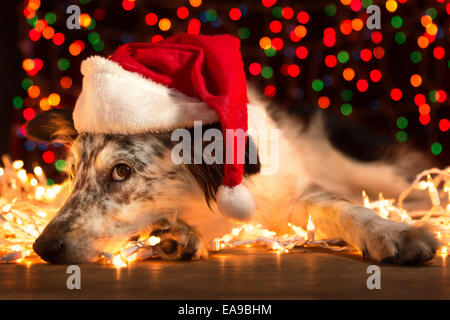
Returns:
<point x="179" y="241"/>
<point x="377" y="238"/>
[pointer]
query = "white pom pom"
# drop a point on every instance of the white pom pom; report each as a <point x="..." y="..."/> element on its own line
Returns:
<point x="235" y="202"/>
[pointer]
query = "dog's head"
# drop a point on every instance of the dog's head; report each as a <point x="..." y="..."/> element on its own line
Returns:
<point x="121" y="184"/>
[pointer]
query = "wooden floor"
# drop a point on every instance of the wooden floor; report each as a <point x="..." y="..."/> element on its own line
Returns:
<point x="236" y="274"/>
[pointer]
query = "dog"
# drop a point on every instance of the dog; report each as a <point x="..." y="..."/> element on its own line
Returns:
<point x="124" y="185"/>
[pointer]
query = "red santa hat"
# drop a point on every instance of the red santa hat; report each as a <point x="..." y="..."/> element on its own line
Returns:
<point x="153" y="87"/>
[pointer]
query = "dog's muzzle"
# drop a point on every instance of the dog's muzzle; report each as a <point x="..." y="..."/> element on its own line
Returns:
<point x="51" y="250"/>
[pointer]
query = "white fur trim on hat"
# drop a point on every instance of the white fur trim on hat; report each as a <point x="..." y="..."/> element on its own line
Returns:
<point x="235" y="202"/>
<point x="114" y="100"/>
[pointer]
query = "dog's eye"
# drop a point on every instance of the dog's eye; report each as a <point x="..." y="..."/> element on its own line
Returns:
<point x="121" y="172"/>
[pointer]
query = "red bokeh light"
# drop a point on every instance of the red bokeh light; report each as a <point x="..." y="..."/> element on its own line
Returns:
<point x="419" y="99"/>
<point x="157" y="37"/>
<point x="424" y="119"/>
<point x="235" y="14"/>
<point x="277" y="43"/>
<point x="324" y="102"/>
<point x="396" y="94"/>
<point x="329" y="37"/>
<point x="362" y="85"/>
<point x="366" y="55"/>
<point x="375" y="75"/>
<point x="255" y="68"/>
<point x="29" y="114"/>
<point x="287" y="13"/>
<point x="270" y="90"/>
<point x="356" y="5"/>
<point x="303" y="17"/>
<point x="330" y="61"/>
<point x="99" y="14"/>
<point x="48" y="156"/>
<point x="284" y="69"/>
<point x="346" y="27"/>
<point x="444" y="125"/>
<point x="34" y="35"/>
<point x="439" y="53"/>
<point x="441" y="96"/>
<point x="377" y="37"/>
<point x="294" y="37"/>
<point x="275" y="26"/>
<point x="182" y="12"/>
<point x="301" y="52"/>
<point x="151" y="19"/>
<point x="293" y="70"/>
<point x="58" y="38"/>
<point x="268" y="3"/>
<point x="127" y="5"/>
<point x="194" y="26"/>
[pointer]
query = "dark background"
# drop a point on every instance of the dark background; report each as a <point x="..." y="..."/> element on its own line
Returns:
<point x="115" y="25"/>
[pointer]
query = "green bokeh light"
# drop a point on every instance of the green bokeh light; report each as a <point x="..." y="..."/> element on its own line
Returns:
<point x="94" y="37"/>
<point x="276" y="12"/>
<point x="431" y="12"/>
<point x="26" y="83"/>
<point x="267" y="72"/>
<point x="402" y="122"/>
<point x="436" y="148"/>
<point x="366" y="3"/>
<point x="60" y="165"/>
<point x="343" y="56"/>
<point x="50" y="17"/>
<point x="330" y="10"/>
<point x="317" y="85"/>
<point x="33" y="20"/>
<point x="211" y="15"/>
<point x="396" y="22"/>
<point x="432" y="95"/>
<point x="346" y="109"/>
<point x="63" y="64"/>
<point x="270" y="52"/>
<point x="92" y="25"/>
<point x="400" y="38"/>
<point x="99" y="46"/>
<point x="244" y="33"/>
<point x="17" y="102"/>
<point x="401" y="136"/>
<point x="416" y="56"/>
<point x="347" y="94"/>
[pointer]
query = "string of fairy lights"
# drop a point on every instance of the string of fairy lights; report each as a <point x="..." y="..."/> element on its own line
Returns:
<point x="348" y="70"/>
<point x="27" y="205"/>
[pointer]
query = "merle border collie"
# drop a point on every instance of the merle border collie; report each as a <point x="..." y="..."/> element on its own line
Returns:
<point x="125" y="185"/>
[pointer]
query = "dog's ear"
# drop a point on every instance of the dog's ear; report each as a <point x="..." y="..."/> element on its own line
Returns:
<point x="53" y="126"/>
<point x="210" y="176"/>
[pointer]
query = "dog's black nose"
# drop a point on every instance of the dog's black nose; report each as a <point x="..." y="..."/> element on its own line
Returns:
<point x="49" y="249"/>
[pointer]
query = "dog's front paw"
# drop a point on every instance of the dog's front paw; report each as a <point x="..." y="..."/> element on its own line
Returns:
<point x="179" y="241"/>
<point x="400" y="243"/>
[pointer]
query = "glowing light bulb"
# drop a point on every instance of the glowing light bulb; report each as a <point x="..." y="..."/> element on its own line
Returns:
<point x="432" y="191"/>
<point x="310" y="228"/>
<point x="118" y="262"/>
<point x="17" y="164"/>
<point x="37" y="170"/>
<point x="39" y="193"/>
<point x="22" y="175"/>
<point x="41" y="214"/>
<point x="153" y="241"/>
